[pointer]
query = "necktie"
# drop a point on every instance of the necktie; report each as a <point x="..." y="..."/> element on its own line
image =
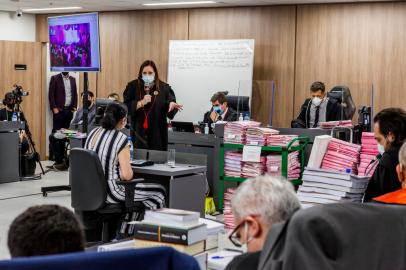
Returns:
<point x="316" y="118"/>
<point x="219" y="118"/>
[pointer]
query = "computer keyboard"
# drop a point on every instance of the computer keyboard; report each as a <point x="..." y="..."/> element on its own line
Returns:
<point x="141" y="163"/>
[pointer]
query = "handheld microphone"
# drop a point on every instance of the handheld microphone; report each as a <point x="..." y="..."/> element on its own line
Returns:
<point x="147" y="88"/>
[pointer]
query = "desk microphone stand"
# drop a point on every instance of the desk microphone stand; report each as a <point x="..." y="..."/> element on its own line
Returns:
<point x="45" y="190"/>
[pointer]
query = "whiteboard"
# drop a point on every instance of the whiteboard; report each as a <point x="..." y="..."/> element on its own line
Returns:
<point x="199" y="68"/>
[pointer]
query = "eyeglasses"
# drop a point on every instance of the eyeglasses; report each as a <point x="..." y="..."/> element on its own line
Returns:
<point x="235" y="236"/>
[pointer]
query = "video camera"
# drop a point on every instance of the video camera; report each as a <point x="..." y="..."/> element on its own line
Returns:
<point x="18" y="93"/>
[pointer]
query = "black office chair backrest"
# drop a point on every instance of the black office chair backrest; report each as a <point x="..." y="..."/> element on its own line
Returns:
<point x="343" y="95"/>
<point x="86" y="176"/>
<point x="239" y="104"/>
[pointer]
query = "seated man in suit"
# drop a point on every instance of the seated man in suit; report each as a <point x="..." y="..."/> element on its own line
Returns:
<point x="220" y="110"/>
<point x="45" y="230"/>
<point x="257" y="205"/>
<point x="318" y="108"/>
<point x="78" y="119"/>
<point x="399" y="196"/>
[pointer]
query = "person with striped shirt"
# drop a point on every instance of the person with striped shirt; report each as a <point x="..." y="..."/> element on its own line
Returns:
<point x="112" y="147"/>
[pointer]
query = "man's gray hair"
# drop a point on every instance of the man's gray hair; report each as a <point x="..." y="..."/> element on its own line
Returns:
<point x="272" y="198"/>
<point x="402" y="156"/>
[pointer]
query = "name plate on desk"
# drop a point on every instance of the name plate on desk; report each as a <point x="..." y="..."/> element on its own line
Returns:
<point x="251" y="153"/>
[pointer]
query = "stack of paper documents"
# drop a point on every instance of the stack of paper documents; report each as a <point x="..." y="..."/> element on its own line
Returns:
<point x="341" y="156"/>
<point x="258" y="135"/>
<point x="227" y="211"/>
<point x="318" y="151"/>
<point x="369" y="151"/>
<point x="232" y="163"/>
<point x="235" y="132"/>
<point x="332" y="124"/>
<point x="274" y="165"/>
<point x="322" y="187"/>
<point x="280" y="140"/>
<point x="254" y="169"/>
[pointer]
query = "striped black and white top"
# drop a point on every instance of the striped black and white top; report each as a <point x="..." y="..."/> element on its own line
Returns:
<point x="108" y="144"/>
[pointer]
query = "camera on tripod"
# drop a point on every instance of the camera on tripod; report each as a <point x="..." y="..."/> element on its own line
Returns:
<point x="18" y="93"/>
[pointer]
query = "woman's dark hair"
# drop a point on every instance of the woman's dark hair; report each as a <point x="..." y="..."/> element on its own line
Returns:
<point x="146" y="64"/>
<point x="113" y="114"/>
<point x="392" y="120"/>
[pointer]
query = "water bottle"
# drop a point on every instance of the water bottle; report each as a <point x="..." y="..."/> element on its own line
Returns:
<point x="241" y="118"/>
<point x="14" y="117"/>
<point x="130" y="142"/>
<point x="206" y="128"/>
<point x="246" y="117"/>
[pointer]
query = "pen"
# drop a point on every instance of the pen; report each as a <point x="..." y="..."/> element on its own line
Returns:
<point x="222" y="257"/>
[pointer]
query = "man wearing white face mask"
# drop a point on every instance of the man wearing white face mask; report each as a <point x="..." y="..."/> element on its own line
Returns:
<point x="390" y="133"/>
<point x="257" y="205"/>
<point x="319" y="108"/>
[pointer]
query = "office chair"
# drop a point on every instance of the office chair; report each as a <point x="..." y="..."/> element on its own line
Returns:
<point x="240" y="104"/>
<point x="343" y="95"/>
<point x="89" y="195"/>
<point x="162" y="258"/>
<point x="339" y="236"/>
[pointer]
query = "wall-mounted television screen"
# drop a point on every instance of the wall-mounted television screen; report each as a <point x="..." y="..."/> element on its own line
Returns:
<point x="74" y="42"/>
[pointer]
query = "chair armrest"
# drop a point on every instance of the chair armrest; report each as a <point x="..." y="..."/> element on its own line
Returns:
<point x="130" y="182"/>
<point x="129" y="192"/>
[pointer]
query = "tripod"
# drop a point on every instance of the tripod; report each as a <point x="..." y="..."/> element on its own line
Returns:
<point x="30" y="143"/>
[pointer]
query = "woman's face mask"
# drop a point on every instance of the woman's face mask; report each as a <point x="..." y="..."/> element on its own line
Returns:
<point x="148" y="79"/>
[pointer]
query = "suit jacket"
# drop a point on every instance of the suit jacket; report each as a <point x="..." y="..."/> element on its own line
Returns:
<point x="56" y="93"/>
<point x="246" y="261"/>
<point x="333" y="112"/>
<point x="231" y="115"/>
<point x="338" y="236"/>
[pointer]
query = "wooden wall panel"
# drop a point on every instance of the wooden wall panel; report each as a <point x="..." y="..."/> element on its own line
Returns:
<point x="129" y="38"/>
<point x="273" y="29"/>
<point x="356" y="45"/>
<point x="29" y="53"/>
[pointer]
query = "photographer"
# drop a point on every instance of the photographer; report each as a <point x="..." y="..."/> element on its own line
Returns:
<point x="10" y="113"/>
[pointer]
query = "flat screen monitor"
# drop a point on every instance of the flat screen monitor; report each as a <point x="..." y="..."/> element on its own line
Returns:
<point x="182" y="126"/>
<point x="74" y="42"/>
<point x="101" y="105"/>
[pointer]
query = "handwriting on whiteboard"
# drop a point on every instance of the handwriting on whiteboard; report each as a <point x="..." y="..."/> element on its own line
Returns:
<point x="220" y="54"/>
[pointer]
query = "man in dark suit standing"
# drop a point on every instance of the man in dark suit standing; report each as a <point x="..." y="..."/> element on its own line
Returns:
<point x="63" y="101"/>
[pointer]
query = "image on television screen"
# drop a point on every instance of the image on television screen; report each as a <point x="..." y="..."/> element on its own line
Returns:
<point x="74" y="42"/>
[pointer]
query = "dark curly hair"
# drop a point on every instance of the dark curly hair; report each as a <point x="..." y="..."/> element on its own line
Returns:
<point x="44" y="230"/>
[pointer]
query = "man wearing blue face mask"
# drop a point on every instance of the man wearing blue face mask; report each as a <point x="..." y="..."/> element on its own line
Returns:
<point x="390" y="133"/>
<point x="220" y="110"/>
<point x="319" y="108"/>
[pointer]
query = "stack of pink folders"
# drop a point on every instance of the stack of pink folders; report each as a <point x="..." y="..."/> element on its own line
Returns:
<point x="254" y="169"/>
<point x="258" y="135"/>
<point x="228" y="213"/>
<point x="232" y="163"/>
<point x="332" y="124"/>
<point x="280" y="140"/>
<point x="341" y="156"/>
<point x="274" y="165"/>
<point x="369" y="151"/>
<point x="235" y="132"/>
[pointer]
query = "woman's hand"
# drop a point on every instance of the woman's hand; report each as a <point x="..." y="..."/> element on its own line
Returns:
<point x="146" y="99"/>
<point x="174" y="105"/>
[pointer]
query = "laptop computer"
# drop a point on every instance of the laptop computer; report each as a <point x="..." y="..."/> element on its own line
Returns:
<point x="182" y="126"/>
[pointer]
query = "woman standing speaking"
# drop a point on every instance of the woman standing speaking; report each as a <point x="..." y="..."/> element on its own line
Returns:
<point x="150" y="101"/>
